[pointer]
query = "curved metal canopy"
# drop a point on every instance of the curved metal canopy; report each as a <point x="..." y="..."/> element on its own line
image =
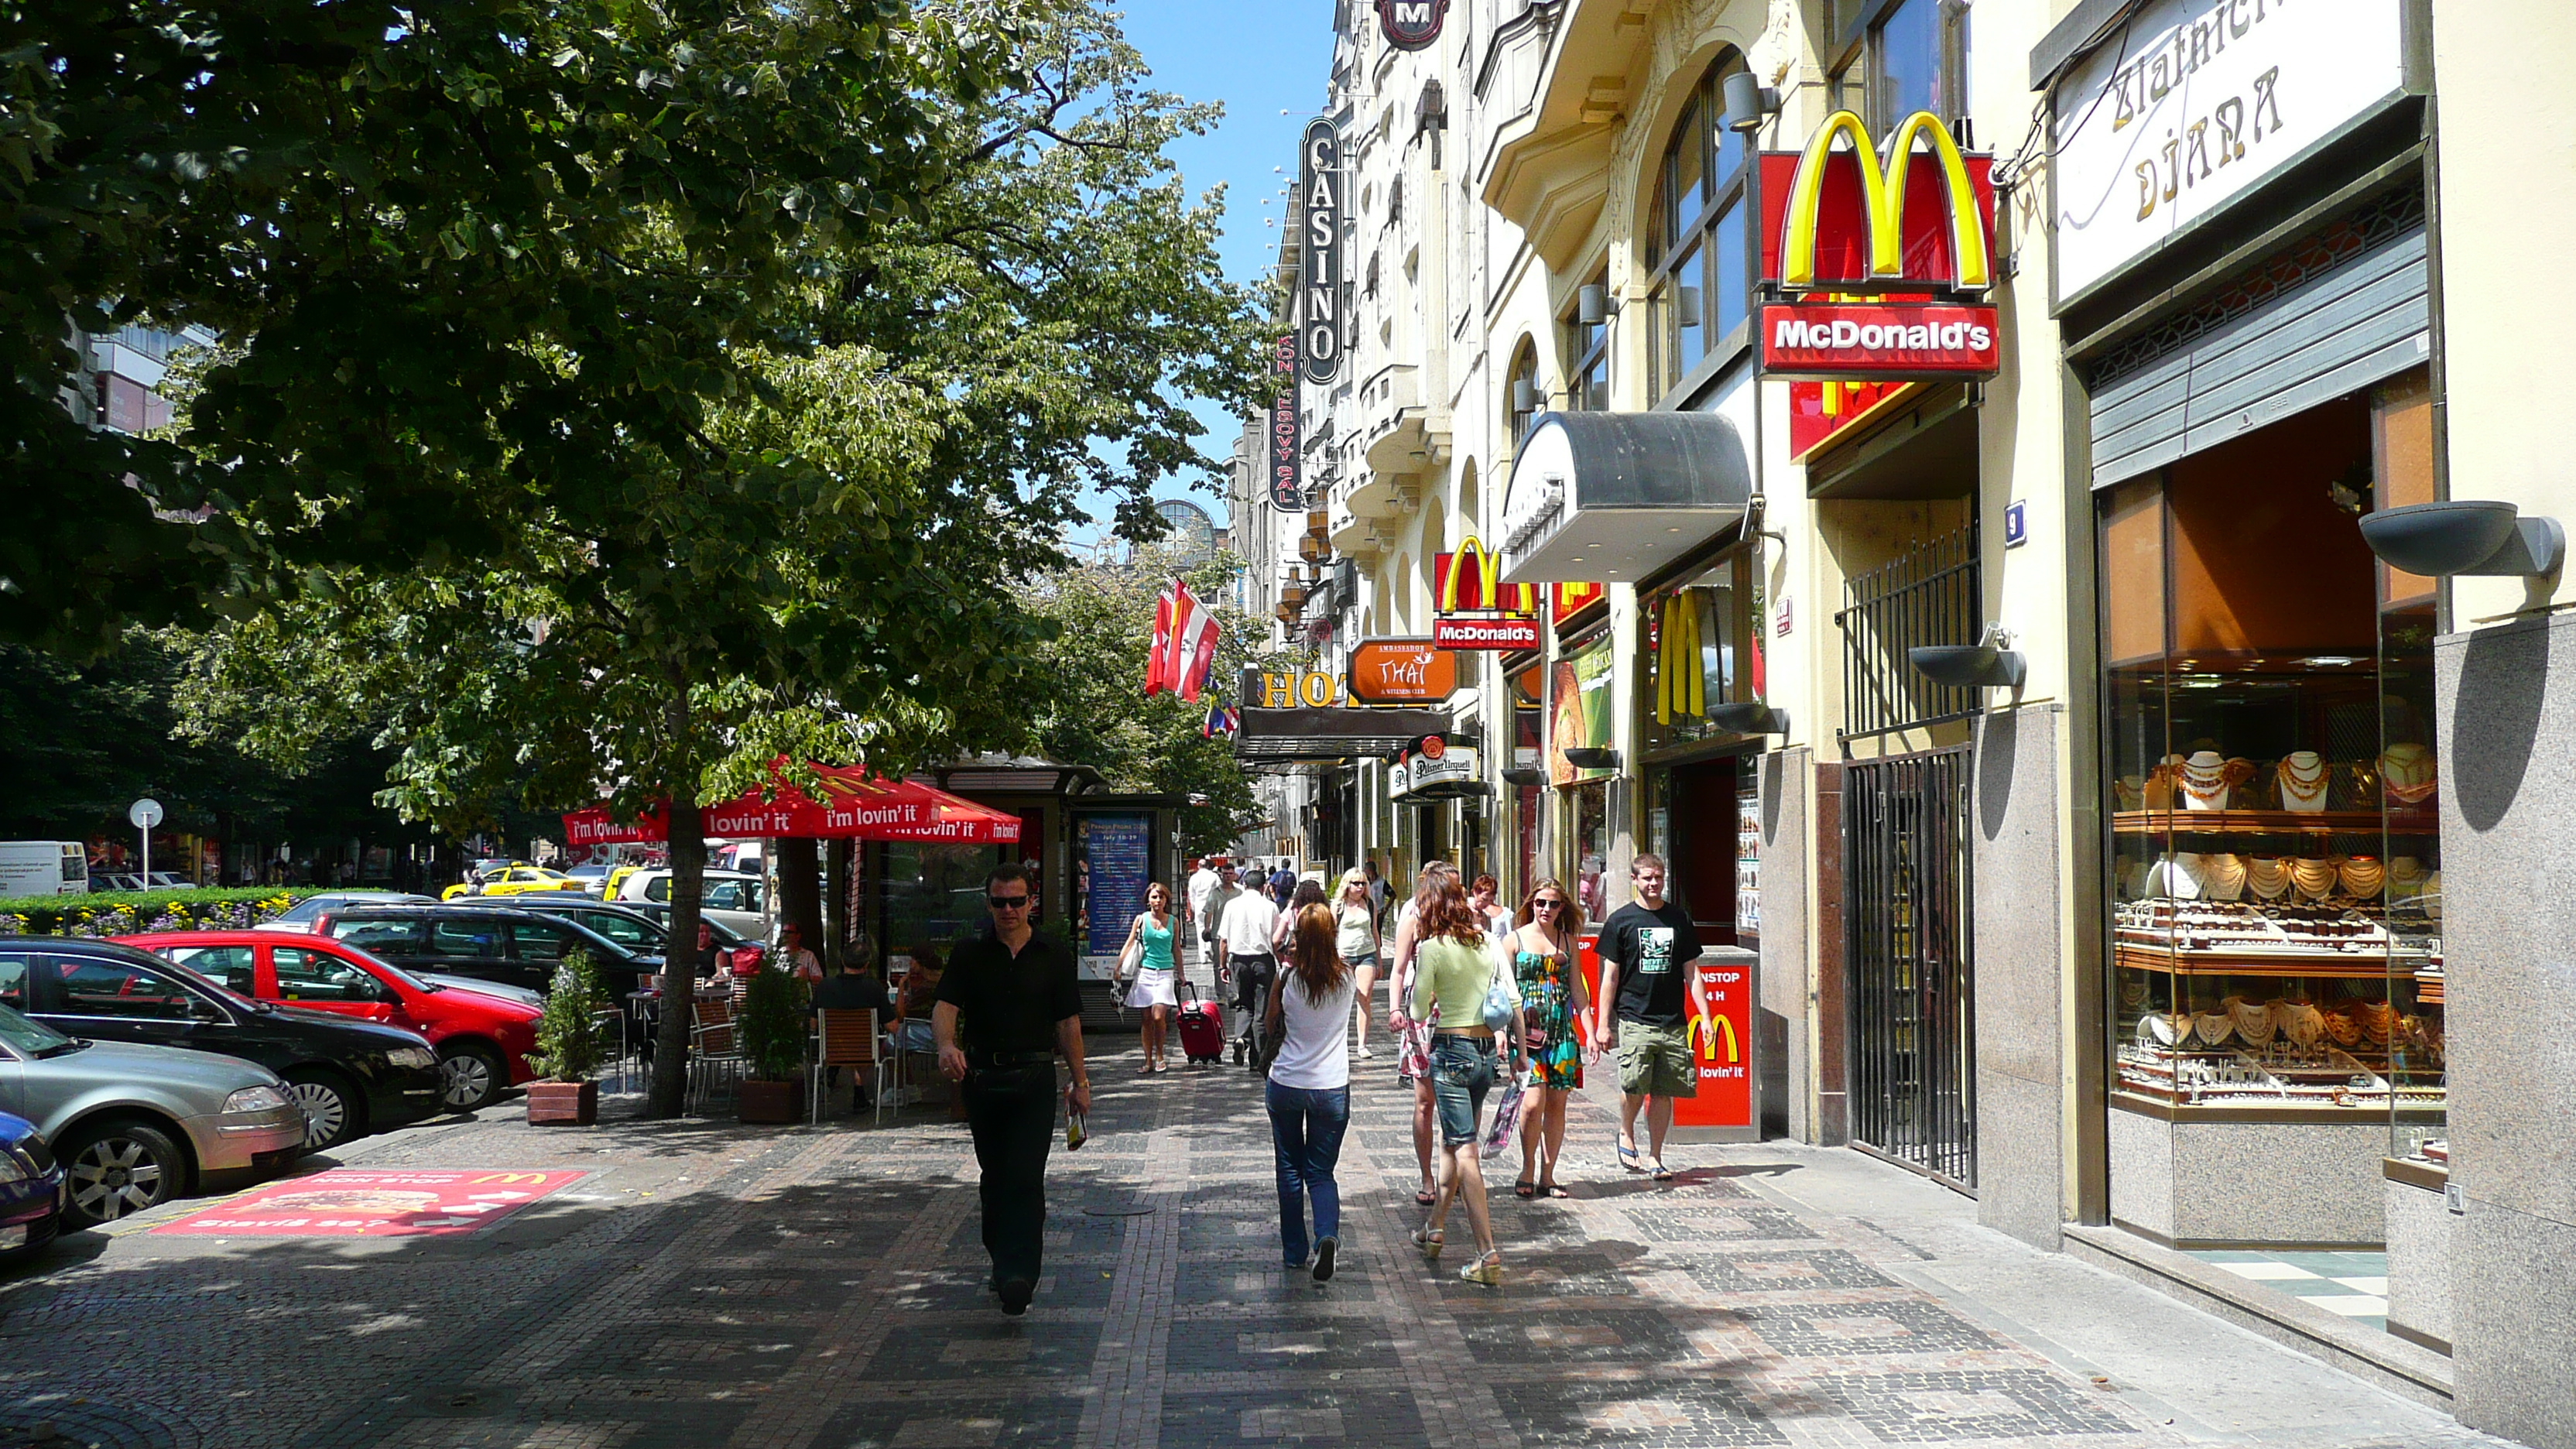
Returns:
<point x="1612" y="497"/>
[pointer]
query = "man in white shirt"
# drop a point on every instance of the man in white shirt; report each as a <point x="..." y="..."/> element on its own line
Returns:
<point x="1202" y="884"/>
<point x="1206" y="910"/>
<point x="1244" y="930"/>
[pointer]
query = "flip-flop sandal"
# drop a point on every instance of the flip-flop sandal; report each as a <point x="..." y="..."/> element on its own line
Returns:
<point x="1663" y="1173"/>
<point x="1426" y="1199"/>
<point x="1628" y="1159"/>
<point x="1554" y="1189"/>
<point x="1524" y="1188"/>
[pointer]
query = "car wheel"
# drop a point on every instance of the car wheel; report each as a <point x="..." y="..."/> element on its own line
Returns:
<point x="331" y="1112"/>
<point x="469" y="1077"/>
<point x="118" y="1168"/>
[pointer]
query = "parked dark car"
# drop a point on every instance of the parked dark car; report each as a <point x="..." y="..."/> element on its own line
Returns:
<point x="506" y="944"/>
<point x="351" y="1077"/>
<point x="641" y="926"/>
<point x="31" y="1188"/>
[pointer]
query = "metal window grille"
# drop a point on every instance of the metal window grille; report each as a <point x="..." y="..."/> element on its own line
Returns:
<point x="1929" y="596"/>
<point x="1910" y="977"/>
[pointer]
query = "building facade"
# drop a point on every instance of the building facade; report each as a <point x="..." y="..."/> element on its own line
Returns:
<point x="2120" y="811"/>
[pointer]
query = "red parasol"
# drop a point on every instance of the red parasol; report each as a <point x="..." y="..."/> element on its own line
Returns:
<point x="855" y="806"/>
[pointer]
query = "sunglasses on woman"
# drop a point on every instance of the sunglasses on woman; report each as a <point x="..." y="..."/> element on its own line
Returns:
<point x="1545" y="905"/>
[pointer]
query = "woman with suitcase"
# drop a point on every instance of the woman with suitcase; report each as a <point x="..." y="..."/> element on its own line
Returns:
<point x="1149" y="945"/>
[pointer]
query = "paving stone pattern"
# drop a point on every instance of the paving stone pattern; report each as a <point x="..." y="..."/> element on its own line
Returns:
<point x="713" y="1285"/>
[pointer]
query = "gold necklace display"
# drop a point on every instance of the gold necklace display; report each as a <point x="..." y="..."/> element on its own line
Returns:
<point x="2268" y="878"/>
<point x="2222" y="878"/>
<point x="2203" y="778"/>
<point x="2375" y="1018"/>
<point x="2255" y="1020"/>
<point x="2362" y="876"/>
<point x="2406" y="772"/>
<point x="2303" y="778"/>
<point x="2314" y="878"/>
<point x="2300" y="1022"/>
<point x="2213" y="1027"/>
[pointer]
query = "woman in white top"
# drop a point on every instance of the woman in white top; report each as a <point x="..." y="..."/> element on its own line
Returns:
<point x="1355" y="937"/>
<point x="1309" y="1093"/>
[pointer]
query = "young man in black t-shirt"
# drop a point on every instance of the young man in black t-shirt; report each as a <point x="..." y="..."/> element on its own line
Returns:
<point x="1007" y="1005"/>
<point x="1649" y="956"/>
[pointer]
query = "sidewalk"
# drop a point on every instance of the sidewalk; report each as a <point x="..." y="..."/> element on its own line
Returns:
<point x="708" y="1284"/>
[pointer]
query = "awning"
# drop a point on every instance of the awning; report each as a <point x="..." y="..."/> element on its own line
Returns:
<point x="855" y="806"/>
<point x="1278" y="736"/>
<point x="1612" y="497"/>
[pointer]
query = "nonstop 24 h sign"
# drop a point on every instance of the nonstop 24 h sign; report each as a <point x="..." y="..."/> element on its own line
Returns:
<point x="1880" y="265"/>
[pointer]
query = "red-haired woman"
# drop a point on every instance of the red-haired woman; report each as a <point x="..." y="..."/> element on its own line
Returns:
<point x="1413" y="1037"/>
<point x="1455" y="975"/>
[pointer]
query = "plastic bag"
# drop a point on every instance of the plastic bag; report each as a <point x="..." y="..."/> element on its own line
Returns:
<point x="1507" y="1115"/>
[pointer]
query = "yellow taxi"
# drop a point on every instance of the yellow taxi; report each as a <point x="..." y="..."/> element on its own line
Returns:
<point x="514" y="880"/>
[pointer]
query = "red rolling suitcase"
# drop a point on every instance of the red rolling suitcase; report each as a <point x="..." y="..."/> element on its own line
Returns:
<point x="1202" y="1031"/>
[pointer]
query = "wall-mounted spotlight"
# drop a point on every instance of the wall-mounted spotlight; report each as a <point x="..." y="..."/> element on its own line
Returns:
<point x="1586" y="757"/>
<point x="2477" y="537"/>
<point x="1989" y="664"/>
<point x="1524" y="395"/>
<point x="1748" y="102"/>
<point x="1592" y="304"/>
<point x="1749" y="717"/>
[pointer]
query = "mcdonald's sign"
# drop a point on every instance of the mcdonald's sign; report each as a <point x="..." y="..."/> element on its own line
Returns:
<point x="1878" y="265"/>
<point x="1476" y="610"/>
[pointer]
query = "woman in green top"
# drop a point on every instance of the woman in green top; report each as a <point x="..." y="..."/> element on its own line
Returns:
<point x="1454" y="969"/>
<point x="1355" y="938"/>
<point x="1149" y="942"/>
<point x="1553" y="1000"/>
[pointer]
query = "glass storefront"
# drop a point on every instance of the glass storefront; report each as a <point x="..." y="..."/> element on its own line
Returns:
<point x="2273" y="853"/>
<point x="1579" y="729"/>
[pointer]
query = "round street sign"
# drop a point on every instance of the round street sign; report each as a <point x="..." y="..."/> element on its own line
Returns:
<point x="145" y="814"/>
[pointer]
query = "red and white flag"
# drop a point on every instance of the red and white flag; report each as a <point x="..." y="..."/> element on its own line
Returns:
<point x="1160" y="661"/>
<point x="1194" y="636"/>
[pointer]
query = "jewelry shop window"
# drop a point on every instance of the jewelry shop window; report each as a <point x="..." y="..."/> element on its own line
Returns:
<point x="1698" y="259"/>
<point x="2273" y="856"/>
<point x="1579" y="728"/>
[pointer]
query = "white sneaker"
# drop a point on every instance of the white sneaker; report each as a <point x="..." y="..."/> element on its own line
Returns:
<point x="1366" y="1055"/>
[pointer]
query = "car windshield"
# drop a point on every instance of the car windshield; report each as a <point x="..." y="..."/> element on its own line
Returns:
<point x="384" y="969"/>
<point x="31" y="1038"/>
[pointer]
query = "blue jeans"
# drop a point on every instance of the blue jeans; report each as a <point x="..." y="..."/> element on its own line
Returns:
<point x="1306" y="1126"/>
<point x="1462" y="1072"/>
<point x="914" y="1034"/>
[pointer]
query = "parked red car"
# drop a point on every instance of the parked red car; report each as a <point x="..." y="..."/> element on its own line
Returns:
<point x="483" y="1041"/>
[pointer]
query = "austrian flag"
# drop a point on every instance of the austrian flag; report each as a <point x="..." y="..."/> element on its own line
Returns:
<point x="1185" y="639"/>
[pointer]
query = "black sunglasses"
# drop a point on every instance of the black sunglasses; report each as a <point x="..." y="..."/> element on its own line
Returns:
<point x="1545" y="905"/>
<point x="1006" y="903"/>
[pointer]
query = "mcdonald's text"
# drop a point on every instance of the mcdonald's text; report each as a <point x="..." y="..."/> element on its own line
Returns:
<point x="1878" y="340"/>
<point x="1491" y="633"/>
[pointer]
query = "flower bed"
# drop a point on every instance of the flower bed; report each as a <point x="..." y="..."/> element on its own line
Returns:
<point x="125" y="913"/>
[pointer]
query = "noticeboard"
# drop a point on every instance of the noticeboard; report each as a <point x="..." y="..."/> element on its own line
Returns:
<point x="1113" y="862"/>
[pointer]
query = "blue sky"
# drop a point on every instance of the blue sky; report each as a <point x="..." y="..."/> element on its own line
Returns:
<point x="1259" y="57"/>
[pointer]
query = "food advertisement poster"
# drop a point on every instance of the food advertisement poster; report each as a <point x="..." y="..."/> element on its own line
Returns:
<point x="1578" y="710"/>
<point x="349" y="1203"/>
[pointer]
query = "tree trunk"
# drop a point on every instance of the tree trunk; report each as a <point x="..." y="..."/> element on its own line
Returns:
<point x="842" y="933"/>
<point x="800" y="896"/>
<point x="688" y="887"/>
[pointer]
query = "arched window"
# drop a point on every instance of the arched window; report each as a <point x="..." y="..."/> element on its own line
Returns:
<point x="1471" y="502"/>
<point x="1523" y="400"/>
<point x="1698" y="256"/>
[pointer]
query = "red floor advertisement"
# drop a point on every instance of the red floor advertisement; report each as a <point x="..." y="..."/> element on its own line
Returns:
<point x="352" y="1203"/>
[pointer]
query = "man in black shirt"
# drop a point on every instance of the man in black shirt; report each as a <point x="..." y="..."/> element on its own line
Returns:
<point x="1006" y="1006"/>
<point x="1649" y="956"/>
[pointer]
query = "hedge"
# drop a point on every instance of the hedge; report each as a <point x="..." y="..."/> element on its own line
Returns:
<point x="125" y="913"/>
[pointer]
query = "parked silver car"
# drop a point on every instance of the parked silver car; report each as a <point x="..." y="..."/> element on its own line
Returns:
<point x="135" y="1126"/>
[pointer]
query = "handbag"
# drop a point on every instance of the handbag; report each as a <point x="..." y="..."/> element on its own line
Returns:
<point x="1502" y="1007"/>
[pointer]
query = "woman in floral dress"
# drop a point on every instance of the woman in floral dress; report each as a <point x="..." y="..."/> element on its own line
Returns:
<point x="1552" y="1000"/>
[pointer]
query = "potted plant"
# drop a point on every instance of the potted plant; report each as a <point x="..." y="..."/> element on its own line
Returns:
<point x="568" y="1050"/>
<point x="772" y="1032"/>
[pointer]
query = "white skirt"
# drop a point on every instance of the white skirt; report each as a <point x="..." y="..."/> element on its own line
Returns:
<point x="1152" y="988"/>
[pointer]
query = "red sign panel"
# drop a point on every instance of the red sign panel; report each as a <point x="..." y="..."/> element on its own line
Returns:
<point x="349" y="1203"/>
<point x="1882" y="340"/>
<point x="1843" y="224"/>
<point x="1496" y="632"/>
<point x="1287" y="451"/>
<point x="1722" y="1049"/>
<point x="1819" y="410"/>
<point x="1571" y="599"/>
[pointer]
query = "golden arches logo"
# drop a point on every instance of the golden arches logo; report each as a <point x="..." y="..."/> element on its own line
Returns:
<point x="1882" y="193"/>
<point x="1704" y="1034"/>
<point x="537" y="1177"/>
<point x="1490" y="592"/>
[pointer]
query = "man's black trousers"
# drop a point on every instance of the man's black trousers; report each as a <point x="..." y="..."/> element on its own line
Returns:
<point x="1011" y="1111"/>
<point x="1254" y="976"/>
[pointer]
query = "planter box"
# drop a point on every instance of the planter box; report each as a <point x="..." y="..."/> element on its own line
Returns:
<point x="769" y="1101"/>
<point x="565" y="1104"/>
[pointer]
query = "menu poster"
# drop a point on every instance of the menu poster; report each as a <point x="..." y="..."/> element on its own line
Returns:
<point x="1748" y="864"/>
<point x="1113" y="863"/>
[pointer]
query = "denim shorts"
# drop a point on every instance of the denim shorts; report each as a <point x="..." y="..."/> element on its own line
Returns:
<point x="1462" y="1071"/>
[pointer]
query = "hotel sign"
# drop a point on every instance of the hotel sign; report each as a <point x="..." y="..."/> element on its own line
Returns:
<point x="2196" y="105"/>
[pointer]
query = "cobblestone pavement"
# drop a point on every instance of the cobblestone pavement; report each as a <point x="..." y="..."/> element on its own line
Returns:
<point x="709" y="1284"/>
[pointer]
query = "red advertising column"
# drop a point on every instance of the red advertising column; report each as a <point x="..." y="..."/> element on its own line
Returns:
<point x="1722" y="1049"/>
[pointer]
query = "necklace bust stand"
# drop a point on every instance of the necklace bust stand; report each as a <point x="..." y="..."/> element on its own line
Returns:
<point x="2222" y="878"/>
<point x="2202" y="779"/>
<point x="2176" y="876"/>
<point x="2362" y="877"/>
<point x="2314" y="878"/>
<point x="2407" y="773"/>
<point x="2269" y="879"/>
<point x="2303" y="778"/>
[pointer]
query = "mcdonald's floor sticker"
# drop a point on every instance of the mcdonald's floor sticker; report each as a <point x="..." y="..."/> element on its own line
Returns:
<point x="350" y="1203"/>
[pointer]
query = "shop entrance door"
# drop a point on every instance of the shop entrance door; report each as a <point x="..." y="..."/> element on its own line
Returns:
<point x="1909" y="974"/>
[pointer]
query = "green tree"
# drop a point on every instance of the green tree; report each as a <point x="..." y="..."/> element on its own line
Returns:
<point x="811" y="542"/>
<point x="1089" y="679"/>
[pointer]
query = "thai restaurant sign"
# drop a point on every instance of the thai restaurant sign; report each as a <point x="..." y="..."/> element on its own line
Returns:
<point x="2193" y="106"/>
<point x="1401" y="671"/>
<point x="1880" y="265"/>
